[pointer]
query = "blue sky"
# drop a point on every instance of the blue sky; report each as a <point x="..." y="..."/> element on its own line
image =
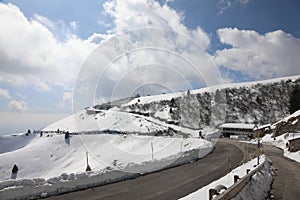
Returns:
<point x="44" y="45"/>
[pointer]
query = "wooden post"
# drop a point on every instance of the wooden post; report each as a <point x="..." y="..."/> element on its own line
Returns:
<point x="181" y="145"/>
<point x="88" y="168"/>
<point x="212" y="192"/>
<point x="152" y="150"/>
<point x="236" y="178"/>
<point x="247" y="171"/>
<point x="229" y="163"/>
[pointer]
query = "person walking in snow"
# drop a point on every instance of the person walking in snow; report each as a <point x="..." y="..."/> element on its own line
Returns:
<point x="15" y="169"/>
<point x="14" y="172"/>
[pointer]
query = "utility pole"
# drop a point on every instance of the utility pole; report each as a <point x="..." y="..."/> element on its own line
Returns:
<point x="88" y="168"/>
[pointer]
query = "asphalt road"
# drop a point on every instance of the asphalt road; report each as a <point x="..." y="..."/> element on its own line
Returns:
<point x="167" y="184"/>
<point x="287" y="179"/>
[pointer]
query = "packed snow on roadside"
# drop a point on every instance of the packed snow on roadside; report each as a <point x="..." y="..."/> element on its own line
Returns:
<point x="282" y="142"/>
<point x="257" y="188"/>
<point x="51" y="164"/>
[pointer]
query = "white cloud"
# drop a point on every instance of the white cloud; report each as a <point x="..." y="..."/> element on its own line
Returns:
<point x="223" y="5"/>
<point x="17" y="106"/>
<point x="274" y="54"/>
<point x="66" y="101"/>
<point x="5" y="93"/>
<point x="135" y="14"/>
<point x="152" y="45"/>
<point x="31" y="55"/>
<point x="45" y="21"/>
<point x="74" y="25"/>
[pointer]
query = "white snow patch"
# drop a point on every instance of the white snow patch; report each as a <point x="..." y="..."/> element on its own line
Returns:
<point x="281" y="142"/>
<point x="228" y="181"/>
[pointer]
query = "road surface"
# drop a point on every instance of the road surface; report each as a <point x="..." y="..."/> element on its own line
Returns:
<point x="287" y="179"/>
<point x="167" y="184"/>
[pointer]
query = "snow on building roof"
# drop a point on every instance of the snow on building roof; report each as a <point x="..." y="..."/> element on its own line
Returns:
<point x="237" y="125"/>
<point x="264" y="126"/>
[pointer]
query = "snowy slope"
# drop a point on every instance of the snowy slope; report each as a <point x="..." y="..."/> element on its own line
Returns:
<point x="105" y="120"/>
<point x="51" y="156"/>
<point x="122" y="122"/>
<point x="290" y="123"/>
<point x="168" y="97"/>
<point x="267" y="101"/>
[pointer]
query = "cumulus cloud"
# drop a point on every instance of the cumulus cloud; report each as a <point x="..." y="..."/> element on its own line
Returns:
<point x="31" y="55"/>
<point x="135" y="14"/>
<point x="149" y="44"/>
<point x="274" y="54"/>
<point x="4" y="93"/>
<point x="17" y="106"/>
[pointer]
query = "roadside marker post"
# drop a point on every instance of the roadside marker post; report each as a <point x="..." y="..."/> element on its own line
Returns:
<point x="152" y="150"/>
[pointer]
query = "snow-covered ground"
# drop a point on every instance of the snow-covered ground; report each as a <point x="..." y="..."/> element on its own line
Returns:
<point x="105" y="120"/>
<point x="123" y="122"/>
<point x="51" y="156"/>
<point x="281" y="142"/>
<point x="51" y="164"/>
<point x="256" y="189"/>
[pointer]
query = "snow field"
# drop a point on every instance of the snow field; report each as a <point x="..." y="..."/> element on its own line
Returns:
<point x="105" y="120"/>
<point x="52" y="165"/>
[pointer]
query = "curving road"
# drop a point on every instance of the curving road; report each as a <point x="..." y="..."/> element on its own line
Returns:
<point x="167" y="184"/>
<point x="287" y="179"/>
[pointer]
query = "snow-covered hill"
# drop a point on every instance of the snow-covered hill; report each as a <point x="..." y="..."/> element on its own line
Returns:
<point x="105" y="120"/>
<point x="289" y="124"/>
<point x="266" y="101"/>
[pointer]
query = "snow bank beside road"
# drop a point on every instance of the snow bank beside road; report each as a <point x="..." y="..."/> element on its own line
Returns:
<point x="260" y="178"/>
<point x="259" y="186"/>
<point x="281" y="142"/>
<point x="112" y="158"/>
